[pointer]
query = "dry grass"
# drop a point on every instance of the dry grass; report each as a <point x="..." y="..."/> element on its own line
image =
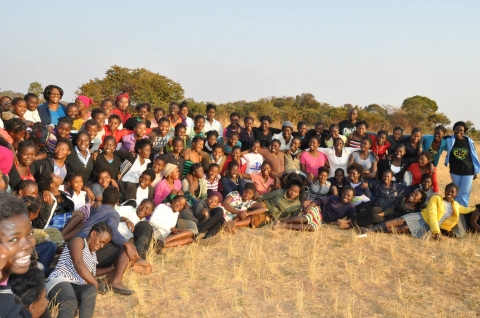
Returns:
<point x="262" y="273"/>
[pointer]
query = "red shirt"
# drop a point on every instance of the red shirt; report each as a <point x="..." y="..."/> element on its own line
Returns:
<point x="241" y="167"/>
<point x="417" y="176"/>
<point x="118" y="134"/>
<point x="379" y="150"/>
<point x="123" y="117"/>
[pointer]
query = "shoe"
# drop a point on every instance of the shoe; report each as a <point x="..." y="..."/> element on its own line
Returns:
<point x="212" y="240"/>
<point x="121" y="291"/>
<point x="199" y="237"/>
<point x="102" y="290"/>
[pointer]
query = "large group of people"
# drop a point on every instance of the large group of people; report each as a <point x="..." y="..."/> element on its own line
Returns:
<point x="86" y="192"/>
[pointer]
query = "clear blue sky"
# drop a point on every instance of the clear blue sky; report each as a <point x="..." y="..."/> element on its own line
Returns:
<point x="357" y="52"/>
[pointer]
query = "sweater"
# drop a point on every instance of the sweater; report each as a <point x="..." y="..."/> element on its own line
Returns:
<point x="104" y="213"/>
<point x="279" y="205"/>
<point x="74" y="164"/>
<point x="332" y="208"/>
<point x="435" y="209"/>
<point x="417" y="176"/>
<point x="129" y="191"/>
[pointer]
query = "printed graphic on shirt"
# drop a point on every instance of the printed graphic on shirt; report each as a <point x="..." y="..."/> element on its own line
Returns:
<point x="347" y="131"/>
<point x="460" y="153"/>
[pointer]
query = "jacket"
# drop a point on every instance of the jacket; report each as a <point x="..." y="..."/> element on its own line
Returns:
<point x="129" y="191"/>
<point x="435" y="210"/>
<point x="473" y="152"/>
<point x="45" y="115"/>
<point x="427" y="142"/>
<point x="108" y="214"/>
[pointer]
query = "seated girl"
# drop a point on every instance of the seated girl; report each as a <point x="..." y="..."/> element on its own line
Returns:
<point x="236" y="155"/>
<point x="424" y="166"/>
<point x="158" y="166"/>
<point x="365" y="158"/>
<point x="236" y="206"/>
<point x="439" y="217"/>
<point x="426" y="186"/>
<point x="397" y="162"/>
<point x="320" y="186"/>
<point x="139" y="133"/>
<point x="210" y="218"/>
<point x="386" y="191"/>
<point x="131" y="171"/>
<point x="163" y="221"/>
<point x="263" y="181"/>
<point x="217" y="156"/>
<point x="75" y="190"/>
<point x="194" y="182"/>
<point x="72" y="285"/>
<point x="326" y="210"/>
<point x="362" y="195"/>
<point x="212" y="177"/>
<point x="29" y="290"/>
<point x="232" y="181"/>
<point x="130" y="216"/>
<point x="210" y="141"/>
<point x="337" y="182"/>
<point x="170" y="185"/>
<point x="400" y="206"/>
<point x="133" y="193"/>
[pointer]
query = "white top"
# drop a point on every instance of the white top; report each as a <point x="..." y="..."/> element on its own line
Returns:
<point x="337" y="162"/>
<point x="254" y="163"/>
<point x="142" y="194"/>
<point x="130" y="213"/>
<point x="32" y="116"/>
<point x="214" y="126"/>
<point x="163" y="219"/>
<point x="1" y="123"/>
<point x="448" y="212"/>
<point x="135" y="171"/>
<point x="395" y="170"/>
<point x="79" y="199"/>
<point x="100" y="134"/>
<point x="284" y="145"/>
<point x="189" y="122"/>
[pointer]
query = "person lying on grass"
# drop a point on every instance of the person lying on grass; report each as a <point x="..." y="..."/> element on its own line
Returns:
<point x="439" y="217"/>
<point x="327" y="210"/>
<point x="209" y="218"/>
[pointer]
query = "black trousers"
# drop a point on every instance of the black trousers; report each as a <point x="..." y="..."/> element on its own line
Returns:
<point x="71" y="297"/>
<point x="368" y="216"/>
<point x="213" y="224"/>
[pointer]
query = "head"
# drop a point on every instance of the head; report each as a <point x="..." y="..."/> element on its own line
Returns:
<point x="173" y="109"/>
<point x="265" y="169"/>
<point x="199" y="122"/>
<point x="178" y="203"/>
<point x="110" y="196"/>
<point x="122" y="101"/>
<point x="143" y="148"/>
<point x="348" y="193"/>
<point x="140" y="129"/>
<point x="459" y="129"/>
<point x="184" y="109"/>
<point x="211" y="111"/>
<point x="339" y="175"/>
<point x="146" y="178"/>
<point x="287" y="129"/>
<point x="451" y="191"/>
<point x="217" y="152"/>
<point x="33" y="206"/>
<point x="171" y="172"/>
<point x="382" y="137"/>
<point x="334" y="131"/>
<point x="159" y="165"/>
<point x="75" y="181"/>
<point x="275" y="146"/>
<point x="16" y="128"/>
<point x="99" y="116"/>
<point x="236" y="153"/>
<point x="365" y="143"/>
<point x="52" y="94"/>
<point x="302" y="128"/>
<point x="114" y="122"/>
<point x="234" y="120"/>
<point x="197" y="170"/>
<point x="424" y="158"/>
<point x="438" y="133"/>
<point x="355" y="172"/>
<point x="233" y="138"/>
<point x="64" y="127"/>
<point x="26" y="153"/>
<point x="213" y="199"/>
<point x="28" y="188"/>
<point x="293" y="189"/>
<point x="353" y="114"/>
<point x="361" y="128"/>
<point x="387" y="176"/>
<point x="158" y="113"/>
<point x="32" y="101"/>
<point x="83" y="103"/>
<point x="19" y="106"/>
<point x="265" y="122"/>
<point x="232" y="170"/>
<point x="83" y="140"/>
<point x="177" y="144"/>
<point x="109" y="144"/>
<point x="249" y="192"/>
<point x="49" y="181"/>
<point x="72" y="111"/>
<point x="323" y="173"/>
<point x="107" y="106"/>
<point x="143" y="111"/>
<point x="314" y="143"/>
<point x="295" y="144"/>
<point x="426" y="182"/>
<point x="104" y="175"/>
<point x="29" y="290"/>
<point x="418" y="197"/>
<point x="397" y="133"/>
<point x="416" y="135"/>
<point x="255" y="146"/>
<point x="248" y="122"/>
<point x="400" y="151"/>
<point x="92" y="128"/>
<point x="319" y="127"/>
<point x="213" y="171"/>
<point x="100" y="235"/>
<point x="163" y="126"/>
<point x="180" y="130"/>
<point x="145" y="209"/>
<point x="212" y="136"/>
<point x="197" y="144"/>
<point x="6" y="103"/>
<point x="16" y="236"/>
<point x="338" y="144"/>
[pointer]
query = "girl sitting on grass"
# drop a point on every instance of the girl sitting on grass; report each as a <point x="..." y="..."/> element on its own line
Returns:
<point x="320" y="186"/>
<point x="236" y="206"/>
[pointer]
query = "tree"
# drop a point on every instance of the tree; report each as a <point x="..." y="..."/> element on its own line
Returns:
<point x="141" y="84"/>
<point x="420" y="110"/>
<point x="438" y="119"/>
<point x="37" y="89"/>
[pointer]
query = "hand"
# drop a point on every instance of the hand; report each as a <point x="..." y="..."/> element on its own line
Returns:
<point x="310" y="176"/>
<point x="114" y="183"/>
<point x="95" y="155"/>
<point x="375" y="157"/>
<point x="206" y="215"/>
<point x="90" y="194"/>
<point x="243" y="215"/>
<point x="364" y="185"/>
<point x="130" y="225"/>
<point x="474" y="176"/>
<point x="175" y="191"/>
<point x="180" y="192"/>
<point x="437" y="237"/>
<point x="306" y="203"/>
<point x="96" y="204"/>
<point x="174" y="230"/>
<point x="47" y="198"/>
<point x="131" y="251"/>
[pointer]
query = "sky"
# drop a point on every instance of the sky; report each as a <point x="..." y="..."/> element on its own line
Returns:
<point x="343" y="52"/>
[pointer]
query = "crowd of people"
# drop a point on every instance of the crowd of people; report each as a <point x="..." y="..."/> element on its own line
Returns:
<point x="86" y="192"/>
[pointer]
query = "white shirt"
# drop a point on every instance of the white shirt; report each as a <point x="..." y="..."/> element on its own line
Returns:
<point x="189" y="122"/>
<point x="214" y="126"/>
<point x="254" y="163"/>
<point x="136" y="170"/>
<point x="79" y="199"/>
<point x="142" y="194"/>
<point x="337" y="162"/>
<point x="284" y="145"/>
<point x="81" y="158"/>
<point x="162" y="220"/>
<point x="32" y="116"/>
<point x="130" y="213"/>
<point x="448" y="212"/>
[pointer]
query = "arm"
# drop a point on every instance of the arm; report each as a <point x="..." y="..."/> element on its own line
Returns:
<point x="76" y="247"/>
<point x="431" y="213"/>
<point x="435" y="186"/>
<point x="185" y="185"/>
<point x="373" y="171"/>
<point x="474" y="219"/>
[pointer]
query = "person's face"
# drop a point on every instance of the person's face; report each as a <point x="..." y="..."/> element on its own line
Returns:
<point x="353" y="115"/>
<point x="212" y="201"/>
<point x="354" y="175"/>
<point x="275" y="147"/>
<point x="233" y="140"/>
<point x="57" y="180"/>
<point x="184" y="112"/>
<point x="38" y="307"/>
<point x="6" y="104"/>
<point x="123" y="104"/>
<point x="16" y="235"/>
<point x="293" y="192"/>
<point x="422" y="160"/>
<point x="450" y="194"/>
<point x="322" y="177"/>
<point x="302" y="130"/>
<point x="140" y="130"/>
<point x="174" y="110"/>
<point x="387" y="178"/>
<point x="198" y="146"/>
<point x="31" y="190"/>
<point x="255" y="147"/>
<point x="32" y="104"/>
<point x="213" y="172"/>
<point x="211" y="114"/>
<point x="415" y="137"/>
<point x="54" y="96"/>
<point x="381" y="139"/>
<point x="200" y="123"/>
<point x="27" y="156"/>
<point x="72" y="112"/>
<point x="287" y="132"/>
<point x="62" y="150"/>
<point x="414" y="197"/>
<point x="109" y="146"/>
<point x="92" y="131"/>
<point x="426" y="184"/>
<point x="334" y="132"/>
<point x="143" y="113"/>
<point x="248" y="124"/>
<point x="236" y="154"/>
<point x="313" y="144"/>
<point x="97" y="241"/>
<point x="198" y="173"/>
<point x="248" y="194"/>
<point x="399" y="152"/>
<point x="145" y="151"/>
<point x="347" y="196"/>
<point x="107" y="108"/>
<point x="104" y="179"/>
<point x="145" y="209"/>
<point x="265" y="170"/>
<point x="212" y="140"/>
<point x="233" y="172"/>
<point x="338" y="144"/>
<point x="264" y="124"/>
<point x="158" y="166"/>
<point x="113" y="124"/>
<point x="178" y="146"/>
<point x="19" y="135"/>
<point x="145" y="180"/>
<point x="339" y="176"/>
<point x="294" y="145"/>
<point x="181" y="132"/>
<point x="178" y="204"/>
<point x="76" y="183"/>
<point x="100" y="119"/>
<point x="163" y="128"/>
<point x="158" y="114"/>
<point x="397" y="135"/>
<point x="33" y="215"/>
<point x="438" y="135"/>
<point x="83" y="142"/>
<point x="361" y="130"/>
<point x="234" y="120"/>
<point x="365" y="145"/>
<point x="63" y="130"/>
<point x="175" y="175"/>
<point x="459" y="132"/>
<point x="20" y="108"/>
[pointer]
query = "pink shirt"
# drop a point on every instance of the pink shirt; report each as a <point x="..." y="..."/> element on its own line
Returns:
<point x="163" y="190"/>
<point x="312" y="164"/>
<point x="262" y="187"/>
<point x="6" y="160"/>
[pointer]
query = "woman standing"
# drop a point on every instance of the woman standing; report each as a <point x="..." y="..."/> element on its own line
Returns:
<point x="312" y="159"/>
<point x="463" y="159"/>
<point x="52" y="110"/>
<point x="264" y="133"/>
<point x="435" y="144"/>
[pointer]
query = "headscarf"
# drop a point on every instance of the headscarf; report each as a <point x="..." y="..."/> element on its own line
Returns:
<point x="217" y="194"/>
<point x="121" y="96"/>
<point x="85" y="100"/>
<point x="169" y="167"/>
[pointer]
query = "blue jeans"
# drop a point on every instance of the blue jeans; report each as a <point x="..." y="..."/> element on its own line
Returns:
<point x="465" y="186"/>
<point x="46" y="252"/>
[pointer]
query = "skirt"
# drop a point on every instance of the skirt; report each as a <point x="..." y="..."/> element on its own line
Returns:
<point x="58" y="221"/>
<point x="314" y="217"/>
<point x="416" y="224"/>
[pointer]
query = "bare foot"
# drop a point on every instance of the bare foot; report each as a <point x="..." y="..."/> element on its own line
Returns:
<point x="230" y="227"/>
<point x="142" y="267"/>
<point x="344" y="225"/>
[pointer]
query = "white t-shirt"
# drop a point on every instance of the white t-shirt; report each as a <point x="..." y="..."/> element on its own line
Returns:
<point x="142" y="194"/>
<point x="163" y="219"/>
<point x="130" y="213"/>
<point x="254" y="163"/>
<point x="214" y="126"/>
<point x="136" y="170"/>
<point x="448" y="212"/>
<point x="283" y="144"/>
<point x="32" y="116"/>
<point x="79" y="199"/>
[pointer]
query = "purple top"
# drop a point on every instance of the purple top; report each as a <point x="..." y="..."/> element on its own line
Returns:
<point x="129" y="142"/>
<point x="332" y="208"/>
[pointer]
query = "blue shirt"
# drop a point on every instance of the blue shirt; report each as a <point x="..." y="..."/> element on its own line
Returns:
<point x="57" y="114"/>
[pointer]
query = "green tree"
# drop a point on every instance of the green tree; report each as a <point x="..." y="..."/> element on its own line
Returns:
<point x="420" y="110"/>
<point x="141" y="84"/>
<point x="37" y="89"/>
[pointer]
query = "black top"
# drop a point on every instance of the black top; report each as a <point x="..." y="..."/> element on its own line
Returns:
<point x="398" y="209"/>
<point x="170" y="158"/>
<point x="311" y="133"/>
<point x="461" y="158"/>
<point x="14" y="178"/>
<point x="411" y="153"/>
<point x="132" y="122"/>
<point x="385" y="164"/>
<point x="265" y="140"/>
<point x="114" y="165"/>
<point x="346" y="127"/>
<point x="74" y="164"/>
<point x="246" y="139"/>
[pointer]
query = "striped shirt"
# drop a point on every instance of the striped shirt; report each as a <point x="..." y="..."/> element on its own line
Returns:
<point x="212" y="185"/>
